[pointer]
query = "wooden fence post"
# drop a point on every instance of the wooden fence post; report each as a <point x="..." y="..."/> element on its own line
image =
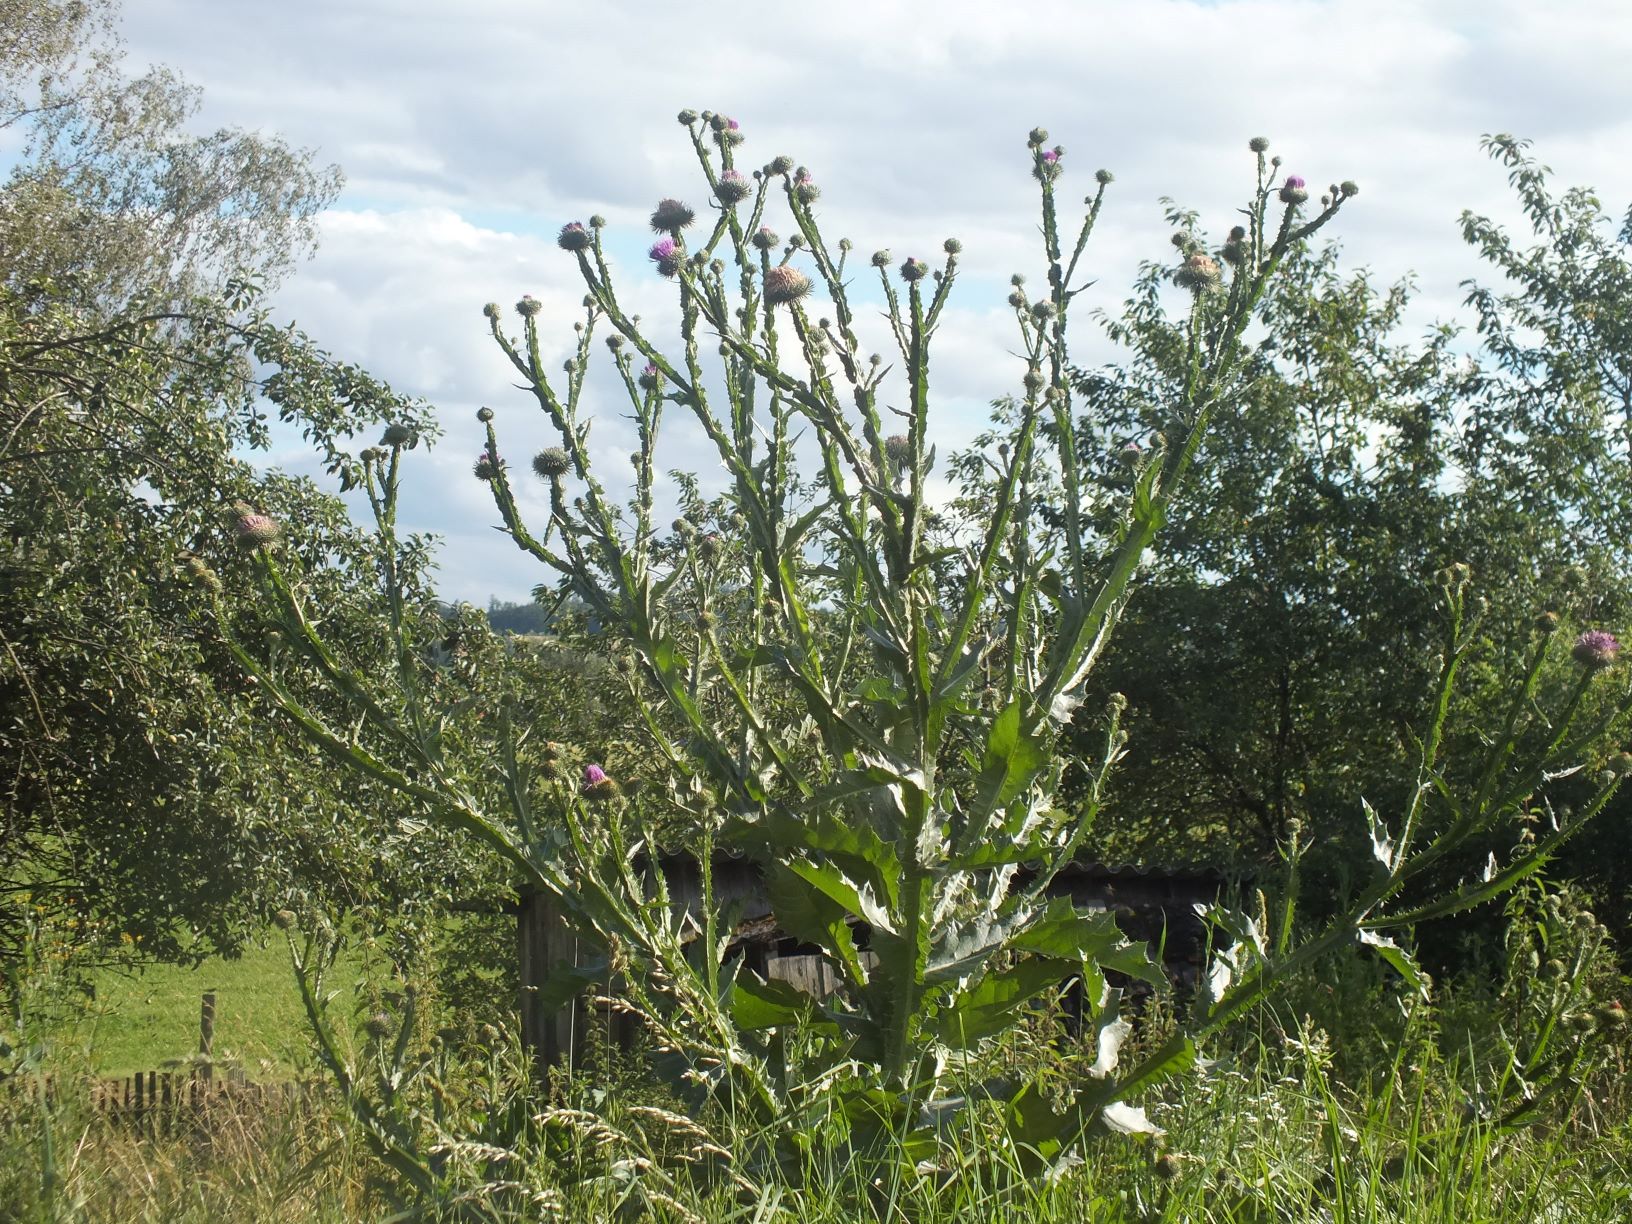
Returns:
<point x="206" y="1031"/>
<point x="543" y="942"/>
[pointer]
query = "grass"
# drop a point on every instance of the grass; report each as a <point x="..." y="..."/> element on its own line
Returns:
<point x="1331" y="1106"/>
<point x="142" y="1017"/>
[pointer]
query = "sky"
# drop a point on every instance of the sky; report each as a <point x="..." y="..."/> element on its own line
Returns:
<point x="471" y="130"/>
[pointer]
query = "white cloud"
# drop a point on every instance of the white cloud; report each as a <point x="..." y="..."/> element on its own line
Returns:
<point x="470" y="132"/>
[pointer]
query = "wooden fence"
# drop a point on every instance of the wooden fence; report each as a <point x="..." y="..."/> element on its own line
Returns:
<point x="169" y="1103"/>
<point x="1158" y="906"/>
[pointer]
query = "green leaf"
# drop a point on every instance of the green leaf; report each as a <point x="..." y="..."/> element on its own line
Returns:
<point x="566" y="982"/>
<point x="1012" y="758"/>
<point x="776" y="1004"/>
<point x="810" y="914"/>
<point x="992" y="1004"/>
<point x="1065" y="932"/>
<point x="1398" y="958"/>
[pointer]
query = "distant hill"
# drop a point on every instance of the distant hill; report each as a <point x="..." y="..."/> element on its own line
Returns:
<point x="530" y="618"/>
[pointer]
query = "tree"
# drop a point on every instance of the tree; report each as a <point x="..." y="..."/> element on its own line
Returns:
<point x="144" y="791"/>
<point x="1286" y="634"/>
<point x="111" y="200"/>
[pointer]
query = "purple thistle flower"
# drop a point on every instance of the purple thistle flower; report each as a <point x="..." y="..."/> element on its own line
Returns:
<point x="734" y="187"/>
<point x="1047" y="167"/>
<point x="649" y="376"/>
<point x="784" y="285"/>
<point x="487" y="466"/>
<point x="255" y="530"/>
<point x="1595" y="649"/>
<point x="665" y="253"/>
<point x="597" y="785"/>
<point x="1293" y="190"/>
<point x="804" y="187"/>
<point x="574" y="237"/>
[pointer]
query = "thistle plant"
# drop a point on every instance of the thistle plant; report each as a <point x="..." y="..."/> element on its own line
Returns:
<point x="839" y="684"/>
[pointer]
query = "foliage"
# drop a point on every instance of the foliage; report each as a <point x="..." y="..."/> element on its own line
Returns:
<point x="867" y="707"/>
<point x="1299" y="624"/>
<point x="147" y="798"/>
<point x="886" y="760"/>
<point x="146" y="793"/>
<point x="110" y="200"/>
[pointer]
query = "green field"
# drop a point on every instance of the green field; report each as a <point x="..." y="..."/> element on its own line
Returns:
<point x="139" y="1019"/>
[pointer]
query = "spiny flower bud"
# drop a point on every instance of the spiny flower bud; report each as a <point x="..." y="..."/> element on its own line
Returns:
<point x="1131" y="453"/>
<point x="529" y="306"/>
<point x="913" y="270"/>
<point x="805" y="189"/>
<point x="1349" y="188"/>
<point x="683" y="528"/>
<point x="881" y="259"/>
<point x="1547" y="622"/>
<point x="764" y="238"/>
<point x="1259" y="144"/>
<point x="1038" y="136"/>
<point x="377" y="1026"/>
<point x="1033" y="380"/>
<point x="1017" y="300"/>
<point x="733" y="188"/>
<point x="484" y="415"/>
<point x="195" y="570"/>
<point x="898" y="449"/>
<point x="709" y="547"/>
<point x="671" y="216"/>
<point x="284" y="919"/>
<point x="1104" y="177"/>
<point x="649" y="377"/>
<point x="255" y="530"/>
<point x="1620" y="765"/>
<point x="780" y="165"/>
<point x="688" y="116"/>
<point x="666" y="254"/>
<point x="952" y="246"/>
<point x="487" y="466"/>
<point x="396" y="435"/>
<point x="574" y="237"/>
<point x="1199" y="273"/>
<point x="552" y="463"/>
<point x="597" y="222"/>
<point x="1293" y="190"/>
<point x="784" y="284"/>
<point x="1595" y="649"/>
<point x="491" y="311"/>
